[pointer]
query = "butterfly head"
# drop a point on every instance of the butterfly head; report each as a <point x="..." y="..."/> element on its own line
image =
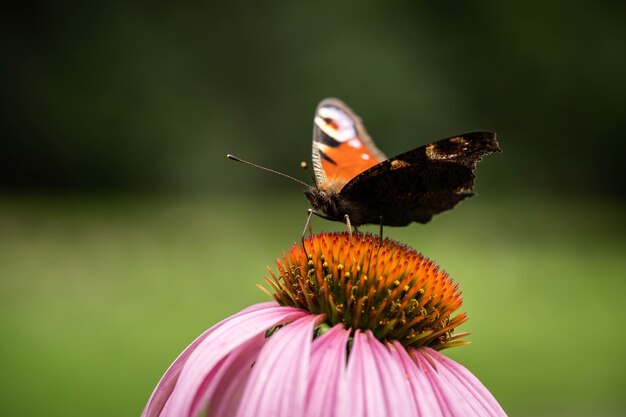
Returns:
<point x="324" y="202"/>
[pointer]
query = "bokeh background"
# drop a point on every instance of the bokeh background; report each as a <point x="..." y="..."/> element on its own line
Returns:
<point x="125" y="232"/>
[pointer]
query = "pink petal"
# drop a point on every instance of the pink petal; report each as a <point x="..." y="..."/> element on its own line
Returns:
<point x="394" y="385"/>
<point x="166" y="385"/>
<point x="422" y="393"/>
<point x="278" y="383"/>
<point x="232" y="370"/>
<point x="375" y="383"/>
<point x="352" y="391"/>
<point x="187" y="374"/>
<point x="328" y="367"/>
<point x="453" y="375"/>
<point x="224" y="396"/>
<point x="451" y="403"/>
<point x="458" y="392"/>
<point x="362" y="394"/>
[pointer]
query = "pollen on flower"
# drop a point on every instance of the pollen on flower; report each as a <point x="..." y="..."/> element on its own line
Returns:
<point x="364" y="283"/>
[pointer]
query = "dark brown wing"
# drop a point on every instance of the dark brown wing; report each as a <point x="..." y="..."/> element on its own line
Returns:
<point x="414" y="186"/>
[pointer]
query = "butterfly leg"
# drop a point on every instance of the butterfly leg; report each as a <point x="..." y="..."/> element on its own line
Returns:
<point x="381" y="230"/>
<point x="307" y="226"/>
<point x="349" y="225"/>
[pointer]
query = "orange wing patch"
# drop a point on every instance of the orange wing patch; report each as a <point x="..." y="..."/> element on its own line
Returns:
<point x="343" y="163"/>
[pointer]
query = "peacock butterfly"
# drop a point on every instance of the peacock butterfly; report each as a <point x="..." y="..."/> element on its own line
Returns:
<point x="355" y="181"/>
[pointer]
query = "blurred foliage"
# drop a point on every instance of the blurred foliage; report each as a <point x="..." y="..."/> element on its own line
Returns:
<point x="150" y="96"/>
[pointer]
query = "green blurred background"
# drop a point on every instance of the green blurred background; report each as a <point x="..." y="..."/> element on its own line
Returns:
<point x="125" y="232"/>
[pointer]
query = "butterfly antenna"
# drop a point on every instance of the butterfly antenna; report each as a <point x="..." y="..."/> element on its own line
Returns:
<point x="234" y="158"/>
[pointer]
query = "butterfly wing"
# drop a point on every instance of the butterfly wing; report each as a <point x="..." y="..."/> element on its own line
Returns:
<point x="342" y="149"/>
<point x="414" y="186"/>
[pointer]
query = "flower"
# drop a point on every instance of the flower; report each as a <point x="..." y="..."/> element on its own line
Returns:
<point x="355" y="330"/>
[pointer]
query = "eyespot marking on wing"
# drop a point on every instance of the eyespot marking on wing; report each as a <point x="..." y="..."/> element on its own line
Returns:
<point x="397" y="164"/>
<point x="448" y="149"/>
<point x="335" y="123"/>
<point x="342" y="149"/>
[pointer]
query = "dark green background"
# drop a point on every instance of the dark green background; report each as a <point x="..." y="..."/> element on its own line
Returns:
<point x="125" y="232"/>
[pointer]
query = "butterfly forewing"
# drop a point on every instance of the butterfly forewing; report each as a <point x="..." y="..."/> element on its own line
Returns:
<point x="418" y="184"/>
<point x="342" y="149"/>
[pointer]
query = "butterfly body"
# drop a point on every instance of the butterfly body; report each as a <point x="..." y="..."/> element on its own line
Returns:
<point x="356" y="179"/>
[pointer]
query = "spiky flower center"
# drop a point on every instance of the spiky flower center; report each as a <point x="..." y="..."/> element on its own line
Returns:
<point x="364" y="283"/>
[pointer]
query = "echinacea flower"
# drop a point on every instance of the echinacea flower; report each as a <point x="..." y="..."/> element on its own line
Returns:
<point x="355" y="330"/>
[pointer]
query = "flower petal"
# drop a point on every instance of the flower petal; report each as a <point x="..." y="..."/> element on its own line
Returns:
<point x="187" y="374"/>
<point x="456" y="377"/>
<point x="362" y="394"/>
<point x="445" y="388"/>
<point x="396" y="390"/>
<point x="166" y="385"/>
<point x="422" y="393"/>
<point x="278" y="383"/>
<point x="328" y="368"/>
<point x="225" y="390"/>
<point x="375" y="383"/>
<point x="450" y="401"/>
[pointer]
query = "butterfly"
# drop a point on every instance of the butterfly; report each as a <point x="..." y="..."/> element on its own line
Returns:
<point x="355" y="182"/>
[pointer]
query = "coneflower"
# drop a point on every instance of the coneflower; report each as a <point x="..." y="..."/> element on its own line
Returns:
<point x="355" y="330"/>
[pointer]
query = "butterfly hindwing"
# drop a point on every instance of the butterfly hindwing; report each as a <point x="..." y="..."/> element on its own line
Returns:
<point x="342" y="148"/>
<point x="417" y="184"/>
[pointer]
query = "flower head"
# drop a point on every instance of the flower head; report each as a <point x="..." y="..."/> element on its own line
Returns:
<point x="364" y="283"/>
<point x="355" y="330"/>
